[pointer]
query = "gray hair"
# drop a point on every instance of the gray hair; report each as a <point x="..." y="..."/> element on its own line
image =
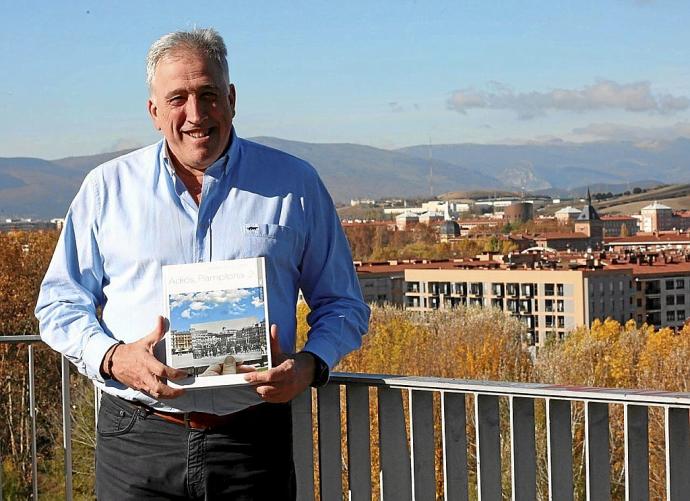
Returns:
<point x="206" y="41"/>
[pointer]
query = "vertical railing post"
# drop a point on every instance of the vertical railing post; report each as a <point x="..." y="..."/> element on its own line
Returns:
<point x="560" y="450"/>
<point x="423" y="445"/>
<point x="597" y="447"/>
<point x="394" y="454"/>
<point x="488" y="447"/>
<point x="677" y="454"/>
<point x="454" y="422"/>
<point x="358" y="442"/>
<point x="303" y="445"/>
<point x="32" y="414"/>
<point x="66" y="427"/>
<point x="636" y="453"/>
<point x="330" y="457"/>
<point x="523" y="446"/>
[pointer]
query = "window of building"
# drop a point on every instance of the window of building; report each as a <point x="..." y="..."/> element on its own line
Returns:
<point x="476" y="288"/>
<point x="513" y="305"/>
<point x="671" y="316"/>
<point x="652" y="287"/>
<point x="560" y="305"/>
<point x="497" y="289"/>
<point x="497" y="303"/>
<point x="549" y="289"/>
<point x="549" y="321"/>
<point x="460" y="288"/>
<point x="670" y="285"/>
<point x="670" y="300"/>
<point x="680" y="299"/>
<point x="513" y="289"/>
<point x="561" y="322"/>
<point x="639" y="302"/>
<point x="680" y="315"/>
<point x="559" y="289"/>
<point x="412" y="287"/>
<point x="476" y="301"/>
<point x="548" y="305"/>
<point x="526" y="290"/>
<point x="680" y="283"/>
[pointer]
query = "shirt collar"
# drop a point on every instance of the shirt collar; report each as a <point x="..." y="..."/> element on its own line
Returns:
<point x="217" y="169"/>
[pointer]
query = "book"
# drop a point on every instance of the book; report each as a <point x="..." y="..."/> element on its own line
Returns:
<point x="217" y="320"/>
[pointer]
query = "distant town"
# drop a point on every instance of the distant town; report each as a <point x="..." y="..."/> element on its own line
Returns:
<point x="553" y="263"/>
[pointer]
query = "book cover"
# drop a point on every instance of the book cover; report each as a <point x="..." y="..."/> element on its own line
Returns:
<point x="218" y="320"/>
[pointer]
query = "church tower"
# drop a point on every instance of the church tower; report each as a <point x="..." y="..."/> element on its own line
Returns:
<point x="589" y="223"/>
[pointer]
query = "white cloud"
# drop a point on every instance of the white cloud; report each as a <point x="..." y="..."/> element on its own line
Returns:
<point x="186" y="314"/>
<point x="198" y="306"/>
<point x="622" y="132"/>
<point x="604" y="94"/>
<point x="257" y="301"/>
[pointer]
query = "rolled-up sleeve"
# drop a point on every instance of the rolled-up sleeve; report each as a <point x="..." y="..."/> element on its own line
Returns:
<point x="72" y="290"/>
<point x="339" y="316"/>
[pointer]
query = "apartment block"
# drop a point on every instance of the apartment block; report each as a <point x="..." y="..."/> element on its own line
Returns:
<point x="549" y="302"/>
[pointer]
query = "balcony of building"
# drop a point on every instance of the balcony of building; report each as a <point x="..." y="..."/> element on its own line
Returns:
<point x="456" y="439"/>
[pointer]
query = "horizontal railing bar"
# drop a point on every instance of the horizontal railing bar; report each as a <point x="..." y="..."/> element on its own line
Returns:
<point x="505" y="388"/>
<point x="20" y="339"/>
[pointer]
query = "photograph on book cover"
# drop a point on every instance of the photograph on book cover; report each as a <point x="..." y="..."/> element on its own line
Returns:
<point x="217" y="315"/>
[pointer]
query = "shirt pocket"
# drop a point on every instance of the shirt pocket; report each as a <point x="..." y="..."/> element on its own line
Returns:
<point x="273" y="241"/>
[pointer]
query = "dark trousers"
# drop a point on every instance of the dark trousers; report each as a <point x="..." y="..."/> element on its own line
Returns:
<point x="141" y="456"/>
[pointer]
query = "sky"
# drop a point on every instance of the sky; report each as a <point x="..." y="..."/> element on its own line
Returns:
<point x="382" y="73"/>
<point x="200" y="307"/>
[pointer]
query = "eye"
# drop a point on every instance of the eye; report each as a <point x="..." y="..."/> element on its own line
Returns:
<point x="209" y="95"/>
<point x="176" y="100"/>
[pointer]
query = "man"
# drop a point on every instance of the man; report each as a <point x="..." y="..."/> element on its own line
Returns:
<point x="198" y="195"/>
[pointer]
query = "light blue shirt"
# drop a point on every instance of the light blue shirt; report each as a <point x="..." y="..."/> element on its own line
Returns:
<point x="133" y="215"/>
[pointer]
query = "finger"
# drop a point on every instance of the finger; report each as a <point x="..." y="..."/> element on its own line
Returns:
<point x="160" y="390"/>
<point x="243" y="369"/>
<point x="159" y="369"/>
<point x="270" y="376"/>
<point x="276" y="350"/>
<point x="156" y="334"/>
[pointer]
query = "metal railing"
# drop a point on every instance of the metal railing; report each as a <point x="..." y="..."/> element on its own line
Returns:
<point x="406" y="438"/>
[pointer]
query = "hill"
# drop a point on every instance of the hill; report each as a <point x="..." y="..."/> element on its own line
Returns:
<point x="562" y="165"/>
<point x="33" y="187"/>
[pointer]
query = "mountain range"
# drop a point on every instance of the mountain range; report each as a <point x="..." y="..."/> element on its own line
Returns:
<point x="33" y="187"/>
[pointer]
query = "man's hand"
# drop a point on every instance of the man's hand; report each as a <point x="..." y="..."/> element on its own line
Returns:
<point x="288" y="379"/>
<point x="135" y="365"/>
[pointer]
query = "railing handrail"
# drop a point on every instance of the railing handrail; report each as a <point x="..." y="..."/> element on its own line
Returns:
<point x="28" y="338"/>
<point x="507" y="388"/>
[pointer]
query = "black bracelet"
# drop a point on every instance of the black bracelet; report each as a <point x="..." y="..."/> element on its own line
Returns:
<point x="109" y="367"/>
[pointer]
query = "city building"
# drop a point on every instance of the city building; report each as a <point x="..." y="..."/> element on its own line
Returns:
<point x="567" y="214"/>
<point x="405" y="220"/>
<point x="589" y="223"/>
<point x="519" y="212"/>
<point x="656" y="217"/>
<point x="549" y="302"/>
<point x="30" y="224"/>
<point x="672" y="240"/>
<point x="616" y="226"/>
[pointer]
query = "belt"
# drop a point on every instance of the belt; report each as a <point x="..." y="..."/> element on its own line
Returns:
<point x="201" y="421"/>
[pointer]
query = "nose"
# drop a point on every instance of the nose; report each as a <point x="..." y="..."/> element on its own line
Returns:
<point x="195" y="111"/>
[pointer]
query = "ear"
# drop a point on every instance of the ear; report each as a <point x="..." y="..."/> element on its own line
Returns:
<point x="153" y="113"/>
<point x="232" y="97"/>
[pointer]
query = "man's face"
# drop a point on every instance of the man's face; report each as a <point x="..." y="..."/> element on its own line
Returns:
<point x="193" y="106"/>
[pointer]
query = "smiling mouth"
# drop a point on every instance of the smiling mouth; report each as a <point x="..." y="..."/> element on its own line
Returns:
<point x="198" y="133"/>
